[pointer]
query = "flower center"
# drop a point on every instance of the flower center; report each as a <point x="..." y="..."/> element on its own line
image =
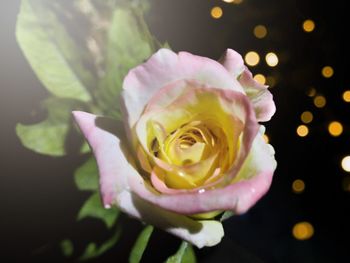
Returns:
<point x="197" y="152"/>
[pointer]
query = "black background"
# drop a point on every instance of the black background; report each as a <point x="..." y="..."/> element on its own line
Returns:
<point x="38" y="198"/>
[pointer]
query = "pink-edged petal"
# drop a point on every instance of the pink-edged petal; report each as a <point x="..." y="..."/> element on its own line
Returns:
<point x="238" y="197"/>
<point x="233" y="62"/>
<point x="259" y="95"/>
<point x="251" y="183"/>
<point x="116" y="171"/>
<point x="201" y="233"/>
<point x="100" y="134"/>
<point x="165" y="67"/>
<point x="249" y="83"/>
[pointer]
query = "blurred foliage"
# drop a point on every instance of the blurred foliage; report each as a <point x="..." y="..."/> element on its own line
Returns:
<point x="93" y="208"/>
<point x="185" y="254"/>
<point x="93" y="250"/>
<point x="226" y="215"/>
<point x="49" y="136"/>
<point x="79" y="50"/>
<point x="52" y="54"/>
<point x="128" y="45"/>
<point x="67" y="247"/>
<point x="140" y="245"/>
<point x="86" y="176"/>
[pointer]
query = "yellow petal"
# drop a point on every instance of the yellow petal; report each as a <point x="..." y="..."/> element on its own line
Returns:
<point x="192" y="176"/>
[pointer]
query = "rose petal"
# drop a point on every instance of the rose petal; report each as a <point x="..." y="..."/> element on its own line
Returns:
<point x="233" y="62"/>
<point x="165" y="67"/>
<point x="99" y="132"/>
<point x="115" y="173"/>
<point x="259" y="94"/>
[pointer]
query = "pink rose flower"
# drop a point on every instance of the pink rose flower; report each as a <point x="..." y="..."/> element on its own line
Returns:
<point x="192" y="146"/>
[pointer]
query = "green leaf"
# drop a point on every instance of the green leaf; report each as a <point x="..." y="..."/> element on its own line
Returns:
<point x="129" y="43"/>
<point x="166" y="45"/>
<point x="226" y="215"/>
<point x="85" y="148"/>
<point x="185" y="254"/>
<point x="93" y="208"/>
<point x="67" y="247"/>
<point x="50" y="50"/>
<point x="93" y="251"/>
<point x="49" y="136"/>
<point x="140" y="245"/>
<point x="86" y="176"/>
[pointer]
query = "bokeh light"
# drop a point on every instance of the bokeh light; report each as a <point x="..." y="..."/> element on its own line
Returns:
<point x="345" y="163"/>
<point x="260" y="78"/>
<point x="260" y="31"/>
<point x="298" y="186"/>
<point x="306" y="117"/>
<point x="335" y="128"/>
<point x="308" y="25"/>
<point x="327" y="71"/>
<point x="302" y="130"/>
<point x="271" y="81"/>
<point x="311" y="92"/>
<point x="346" y="96"/>
<point x="346" y="183"/>
<point x="252" y="58"/>
<point x="271" y="59"/>
<point x="303" y="231"/>
<point x="216" y="12"/>
<point x="320" y="101"/>
<point x="233" y="1"/>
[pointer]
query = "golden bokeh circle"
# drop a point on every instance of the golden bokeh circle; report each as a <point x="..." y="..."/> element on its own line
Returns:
<point x="260" y="78"/>
<point x="345" y="163"/>
<point x="302" y="130"/>
<point x="346" y="96"/>
<point x="306" y="117"/>
<point x="320" y="101"/>
<point x="216" y="12"/>
<point x="252" y="58"/>
<point x="327" y="72"/>
<point x="260" y="31"/>
<point x="309" y="25"/>
<point x="298" y="186"/>
<point x="271" y="59"/>
<point x="335" y="128"/>
<point x="303" y="230"/>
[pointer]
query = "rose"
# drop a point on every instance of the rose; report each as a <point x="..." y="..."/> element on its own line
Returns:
<point x="194" y="148"/>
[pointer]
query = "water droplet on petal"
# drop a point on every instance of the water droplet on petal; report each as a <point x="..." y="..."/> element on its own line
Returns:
<point x="201" y="191"/>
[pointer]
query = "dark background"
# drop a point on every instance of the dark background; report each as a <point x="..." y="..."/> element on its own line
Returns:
<point x="39" y="201"/>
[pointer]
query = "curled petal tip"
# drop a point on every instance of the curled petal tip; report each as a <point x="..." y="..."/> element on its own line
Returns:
<point x="233" y="62"/>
